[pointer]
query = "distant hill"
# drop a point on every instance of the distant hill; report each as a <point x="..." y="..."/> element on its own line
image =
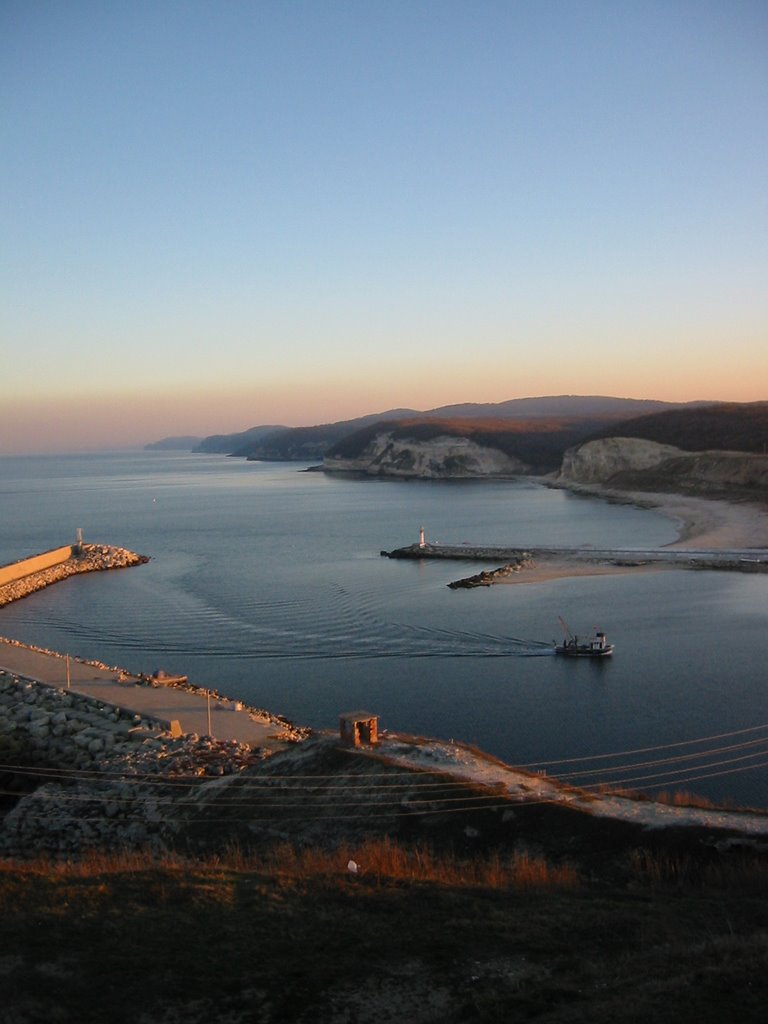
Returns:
<point x="291" y="444"/>
<point x="227" y="444"/>
<point x="173" y="444"/>
<point x="590" y="438"/>
<point x="308" y="443"/>
<point x="558" y="406"/>
<point x="715" y="451"/>
<point x="536" y="444"/>
<point x="725" y="426"/>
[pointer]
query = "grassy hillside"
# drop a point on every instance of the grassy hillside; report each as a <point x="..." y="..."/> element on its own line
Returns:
<point x="736" y="427"/>
<point x="505" y="911"/>
<point x="412" y="937"/>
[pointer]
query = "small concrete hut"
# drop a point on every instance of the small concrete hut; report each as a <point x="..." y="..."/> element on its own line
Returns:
<point x="359" y="727"/>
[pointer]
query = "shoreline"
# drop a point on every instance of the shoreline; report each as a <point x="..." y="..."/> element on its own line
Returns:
<point x="161" y="697"/>
<point x="715" y="524"/>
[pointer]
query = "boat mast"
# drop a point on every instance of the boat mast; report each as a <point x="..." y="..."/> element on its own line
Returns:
<point x="566" y="629"/>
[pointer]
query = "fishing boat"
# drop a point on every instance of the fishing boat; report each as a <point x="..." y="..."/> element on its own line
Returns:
<point x="595" y="646"/>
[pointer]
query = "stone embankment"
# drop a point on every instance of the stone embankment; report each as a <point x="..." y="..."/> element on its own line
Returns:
<point x="462" y="552"/>
<point x="487" y="579"/>
<point x="84" y="558"/>
<point x="116" y="773"/>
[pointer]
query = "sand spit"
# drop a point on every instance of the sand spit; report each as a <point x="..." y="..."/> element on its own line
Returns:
<point x="703" y="523"/>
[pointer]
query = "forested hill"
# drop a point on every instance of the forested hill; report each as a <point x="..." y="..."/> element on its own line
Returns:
<point x="725" y="426"/>
<point x="538" y="443"/>
<point x="313" y="442"/>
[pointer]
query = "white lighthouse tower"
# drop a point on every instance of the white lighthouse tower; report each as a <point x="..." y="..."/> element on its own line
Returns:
<point x="422" y="542"/>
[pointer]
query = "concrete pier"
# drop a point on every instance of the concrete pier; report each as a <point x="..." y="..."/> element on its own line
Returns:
<point x="194" y="709"/>
<point x="734" y="559"/>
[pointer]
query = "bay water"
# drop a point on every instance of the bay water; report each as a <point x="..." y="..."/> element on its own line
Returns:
<point x="266" y="582"/>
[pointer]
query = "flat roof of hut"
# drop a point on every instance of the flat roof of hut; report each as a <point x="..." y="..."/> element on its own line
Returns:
<point x="358" y="727"/>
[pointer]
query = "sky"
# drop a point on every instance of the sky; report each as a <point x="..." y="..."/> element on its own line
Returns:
<point x="221" y="214"/>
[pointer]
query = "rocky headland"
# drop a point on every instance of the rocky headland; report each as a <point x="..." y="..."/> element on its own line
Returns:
<point x="631" y="463"/>
<point x="435" y="458"/>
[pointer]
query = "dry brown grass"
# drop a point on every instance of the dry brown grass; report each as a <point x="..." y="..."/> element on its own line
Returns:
<point x="677" y="798"/>
<point x="94" y="863"/>
<point x="684" y="798"/>
<point x="291" y="935"/>
<point x="385" y="860"/>
<point x="748" y="873"/>
<point x="377" y="860"/>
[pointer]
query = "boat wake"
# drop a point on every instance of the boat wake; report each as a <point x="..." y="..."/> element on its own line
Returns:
<point x="187" y="626"/>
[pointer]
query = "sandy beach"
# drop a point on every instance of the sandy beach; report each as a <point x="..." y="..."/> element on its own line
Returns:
<point x="703" y="523"/>
<point x="707" y="523"/>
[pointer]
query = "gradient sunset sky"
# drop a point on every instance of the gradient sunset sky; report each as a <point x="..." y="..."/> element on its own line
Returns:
<point x="220" y="214"/>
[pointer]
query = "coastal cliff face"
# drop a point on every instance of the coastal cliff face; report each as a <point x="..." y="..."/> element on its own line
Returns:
<point x="599" y="461"/>
<point x="628" y="462"/>
<point x="440" y="457"/>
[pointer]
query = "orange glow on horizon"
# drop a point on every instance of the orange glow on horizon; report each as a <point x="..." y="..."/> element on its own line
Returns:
<point x="93" y="422"/>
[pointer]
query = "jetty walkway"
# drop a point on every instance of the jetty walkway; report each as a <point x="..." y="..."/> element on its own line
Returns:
<point x="736" y="559"/>
<point x="229" y="720"/>
<point x="197" y="711"/>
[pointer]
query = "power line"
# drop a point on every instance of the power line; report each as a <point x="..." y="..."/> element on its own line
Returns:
<point x="325" y="783"/>
<point x="678" y="771"/>
<point x="645" y="750"/>
<point x="467" y="803"/>
<point x="152" y="779"/>
<point x="661" y="761"/>
<point x="403" y="810"/>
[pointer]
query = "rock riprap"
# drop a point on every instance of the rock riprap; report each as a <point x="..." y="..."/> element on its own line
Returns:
<point x="118" y="775"/>
<point x="87" y="558"/>
<point x="487" y="579"/>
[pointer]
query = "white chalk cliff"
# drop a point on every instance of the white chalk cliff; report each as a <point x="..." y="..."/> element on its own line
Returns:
<point x="598" y="461"/>
<point x="438" y="458"/>
<point x="631" y="462"/>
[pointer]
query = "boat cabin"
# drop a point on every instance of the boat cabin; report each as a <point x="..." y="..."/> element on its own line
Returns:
<point x="599" y="642"/>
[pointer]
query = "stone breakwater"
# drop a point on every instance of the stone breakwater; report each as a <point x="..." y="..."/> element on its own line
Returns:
<point x="288" y="730"/>
<point x="731" y="559"/>
<point x="487" y="579"/>
<point x="513" y="556"/>
<point x="114" y="778"/>
<point x="85" y="558"/>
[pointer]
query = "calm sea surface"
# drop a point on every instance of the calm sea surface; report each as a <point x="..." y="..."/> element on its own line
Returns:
<point x="266" y="582"/>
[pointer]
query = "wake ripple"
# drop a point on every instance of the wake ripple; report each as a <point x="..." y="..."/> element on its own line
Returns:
<point x="344" y="625"/>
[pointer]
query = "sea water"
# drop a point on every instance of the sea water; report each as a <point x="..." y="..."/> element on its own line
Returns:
<point x="266" y="582"/>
